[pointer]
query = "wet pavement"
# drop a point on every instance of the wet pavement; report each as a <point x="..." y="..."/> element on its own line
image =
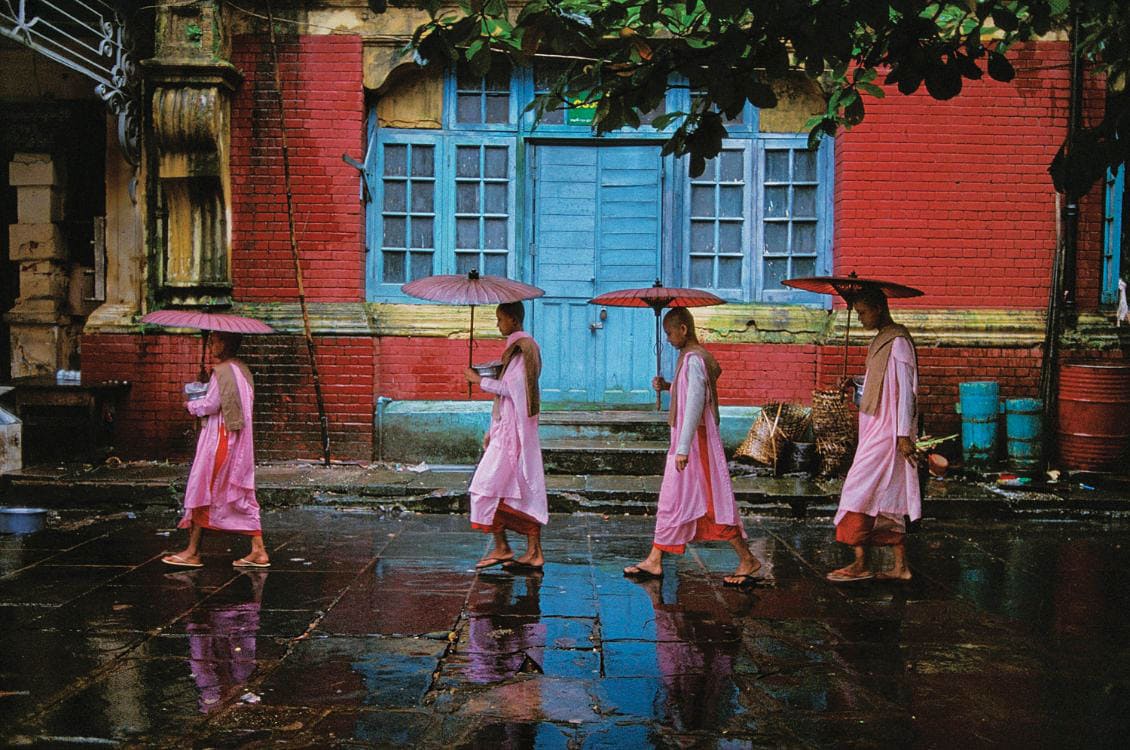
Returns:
<point x="372" y="630"/>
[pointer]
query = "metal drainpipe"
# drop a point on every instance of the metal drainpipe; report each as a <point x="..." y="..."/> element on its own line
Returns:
<point x="1071" y="207"/>
<point x="382" y="402"/>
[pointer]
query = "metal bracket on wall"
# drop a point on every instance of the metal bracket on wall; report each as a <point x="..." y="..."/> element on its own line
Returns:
<point x="91" y="38"/>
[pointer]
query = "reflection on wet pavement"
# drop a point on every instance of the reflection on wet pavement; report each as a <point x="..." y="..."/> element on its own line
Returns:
<point x="371" y="630"/>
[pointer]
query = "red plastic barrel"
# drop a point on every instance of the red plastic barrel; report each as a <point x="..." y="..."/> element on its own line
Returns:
<point x="1094" y="415"/>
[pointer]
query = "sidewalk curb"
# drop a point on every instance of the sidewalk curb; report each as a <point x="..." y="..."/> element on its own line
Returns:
<point x="292" y="485"/>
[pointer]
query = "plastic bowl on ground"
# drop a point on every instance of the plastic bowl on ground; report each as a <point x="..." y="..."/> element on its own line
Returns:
<point x="938" y="464"/>
<point x="22" y="520"/>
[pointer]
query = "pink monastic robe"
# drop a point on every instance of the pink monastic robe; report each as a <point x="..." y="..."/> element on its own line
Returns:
<point x="227" y="491"/>
<point x="511" y="469"/>
<point x="683" y="494"/>
<point x="881" y="481"/>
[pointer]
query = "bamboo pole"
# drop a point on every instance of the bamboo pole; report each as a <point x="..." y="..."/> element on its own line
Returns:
<point x="323" y="421"/>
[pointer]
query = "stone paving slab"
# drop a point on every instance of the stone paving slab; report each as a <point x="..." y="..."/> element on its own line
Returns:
<point x="432" y="490"/>
<point x="373" y="630"/>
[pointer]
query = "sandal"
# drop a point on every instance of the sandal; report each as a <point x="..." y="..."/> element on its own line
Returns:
<point x="490" y="562"/>
<point x="837" y="577"/>
<point x="243" y="562"/>
<point x="517" y="566"/>
<point x="179" y="562"/>
<point x="639" y="574"/>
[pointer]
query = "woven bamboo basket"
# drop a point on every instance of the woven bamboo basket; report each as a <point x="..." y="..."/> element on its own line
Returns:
<point x="776" y="424"/>
<point x="835" y="429"/>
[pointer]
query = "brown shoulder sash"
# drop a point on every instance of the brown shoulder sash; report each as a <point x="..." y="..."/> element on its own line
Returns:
<point x="878" y="355"/>
<point x="531" y="356"/>
<point x="231" y="406"/>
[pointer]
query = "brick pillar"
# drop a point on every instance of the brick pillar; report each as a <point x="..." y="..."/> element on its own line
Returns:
<point x="44" y="335"/>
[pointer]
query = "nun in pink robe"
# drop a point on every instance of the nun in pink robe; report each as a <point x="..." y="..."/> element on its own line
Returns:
<point x="508" y="488"/>
<point x="696" y="498"/>
<point x="220" y="495"/>
<point x="881" y="488"/>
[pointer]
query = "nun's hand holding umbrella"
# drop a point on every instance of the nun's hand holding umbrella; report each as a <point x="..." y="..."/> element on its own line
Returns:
<point x="658" y="297"/>
<point x="204" y="322"/>
<point x="471" y="289"/>
<point x="849" y="288"/>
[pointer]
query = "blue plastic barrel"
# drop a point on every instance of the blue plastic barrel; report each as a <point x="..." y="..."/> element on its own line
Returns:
<point x="1023" y="424"/>
<point x="979" y="407"/>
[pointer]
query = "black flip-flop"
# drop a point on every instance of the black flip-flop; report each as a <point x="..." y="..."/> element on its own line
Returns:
<point x="492" y="561"/>
<point x="640" y="574"/>
<point x="747" y="579"/>
<point x="518" y="566"/>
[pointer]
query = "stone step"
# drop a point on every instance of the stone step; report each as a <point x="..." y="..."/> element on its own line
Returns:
<point x="614" y="425"/>
<point x="596" y="456"/>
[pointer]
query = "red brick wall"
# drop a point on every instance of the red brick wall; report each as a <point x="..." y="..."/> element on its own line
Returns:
<point x="152" y="421"/>
<point x="756" y="373"/>
<point x="287" y="413"/>
<point x="954" y="197"/>
<point x="321" y="81"/>
<point x="428" y="368"/>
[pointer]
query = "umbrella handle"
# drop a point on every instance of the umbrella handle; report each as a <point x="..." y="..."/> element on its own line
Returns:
<point x="203" y="374"/>
<point x="658" y="358"/>
<point x="471" y="349"/>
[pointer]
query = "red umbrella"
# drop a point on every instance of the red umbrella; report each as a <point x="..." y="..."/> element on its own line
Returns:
<point x="849" y="288"/>
<point x="206" y="321"/>
<point x="658" y="297"/>
<point x="851" y="285"/>
<point x="472" y="289"/>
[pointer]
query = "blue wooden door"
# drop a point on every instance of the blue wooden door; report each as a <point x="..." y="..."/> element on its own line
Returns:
<point x="597" y="227"/>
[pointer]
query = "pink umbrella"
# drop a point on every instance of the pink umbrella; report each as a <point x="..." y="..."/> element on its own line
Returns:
<point x="472" y="289"/>
<point x="206" y="321"/>
<point x="658" y="297"/>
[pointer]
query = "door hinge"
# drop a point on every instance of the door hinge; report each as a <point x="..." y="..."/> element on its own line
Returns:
<point x="533" y="249"/>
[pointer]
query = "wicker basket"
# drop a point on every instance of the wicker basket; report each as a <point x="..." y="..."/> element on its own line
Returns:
<point x="777" y="423"/>
<point x="834" y="428"/>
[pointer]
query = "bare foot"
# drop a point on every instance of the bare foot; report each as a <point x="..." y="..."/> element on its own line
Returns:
<point x="535" y="560"/>
<point x="894" y="574"/>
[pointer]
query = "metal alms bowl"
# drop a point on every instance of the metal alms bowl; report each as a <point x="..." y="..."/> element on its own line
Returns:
<point x="488" y="369"/>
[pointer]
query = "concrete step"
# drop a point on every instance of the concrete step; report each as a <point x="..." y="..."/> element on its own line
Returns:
<point x="596" y="456"/>
<point x="623" y="425"/>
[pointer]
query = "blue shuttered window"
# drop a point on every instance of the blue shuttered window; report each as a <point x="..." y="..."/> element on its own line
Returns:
<point x="408" y="211"/>
<point x="442" y="205"/>
<point x="447" y="200"/>
<point x="483" y="199"/>
<point x="718" y="237"/>
<point x="792" y="218"/>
